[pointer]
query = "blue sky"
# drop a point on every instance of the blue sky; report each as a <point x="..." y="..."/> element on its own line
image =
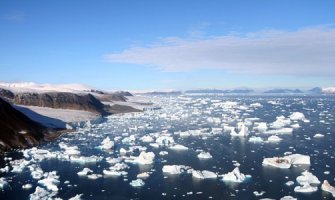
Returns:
<point x="156" y="45"/>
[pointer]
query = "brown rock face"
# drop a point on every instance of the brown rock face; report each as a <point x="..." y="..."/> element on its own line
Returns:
<point x="17" y="130"/>
<point x="62" y="100"/>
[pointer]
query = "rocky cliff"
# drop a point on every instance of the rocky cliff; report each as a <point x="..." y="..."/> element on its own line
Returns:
<point x="17" y="130"/>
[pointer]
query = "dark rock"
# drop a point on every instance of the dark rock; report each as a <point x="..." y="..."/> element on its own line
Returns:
<point x="17" y="130"/>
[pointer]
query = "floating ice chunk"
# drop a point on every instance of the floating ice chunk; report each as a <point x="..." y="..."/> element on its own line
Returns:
<point x="280" y="122"/>
<point x="243" y="130"/>
<point x="165" y="140"/>
<point x="129" y="140"/>
<point x="4" y="169"/>
<point x="178" y="147"/>
<point x="255" y="139"/>
<point x="286" y="161"/>
<point x="137" y="183"/>
<point x="289" y="183"/>
<point x="3" y="183"/>
<point x="111" y="172"/>
<point x="288" y="198"/>
<point x="205" y="174"/>
<point x="274" y="138"/>
<point x="147" y="139"/>
<point x="163" y="153"/>
<point x="84" y="160"/>
<point x="123" y="151"/>
<point x="84" y="172"/>
<point x="234" y="176"/>
<point x="107" y="143"/>
<point x="113" y="160"/>
<point x="42" y="194"/>
<point x="72" y="151"/>
<point x="205" y="155"/>
<point x="50" y="181"/>
<point x="119" y="167"/>
<point x="256" y="105"/>
<point x="94" y="176"/>
<point x="145" y="158"/>
<point x="328" y="188"/>
<point x="143" y="175"/>
<point x="37" y="173"/>
<point x="297" y="116"/>
<point x="19" y="165"/>
<point x="77" y="197"/>
<point x="27" y="186"/>
<point x="280" y="131"/>
<point x="305" y="189"/>
<point x="318" y="135"/>
<point x="176" y="169"/>
<point x="257" y="194"/>
<point x="308" y="178"/>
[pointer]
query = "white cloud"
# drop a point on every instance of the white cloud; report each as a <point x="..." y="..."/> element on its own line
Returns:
<point x="308" y="51"/>
<point x="16" y="16"/>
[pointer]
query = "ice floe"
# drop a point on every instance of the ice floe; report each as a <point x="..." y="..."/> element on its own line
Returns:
<point x="205" y="174"/>
<point x="137" y="183"/>
<point x="176" y="169"/>
<point x="286" y="161"/>
<point x="204" y="155"/>
<point x="234" y="176"/>
<point x="328" y="188"/>
<point x="107" y="143"/>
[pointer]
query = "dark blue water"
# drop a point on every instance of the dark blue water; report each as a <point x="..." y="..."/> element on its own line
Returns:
<point x="191" y="113"/>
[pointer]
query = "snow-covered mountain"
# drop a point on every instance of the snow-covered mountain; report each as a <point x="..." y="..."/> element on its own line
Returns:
<point x="328" y="90"/>
<point x="38" y="88"/>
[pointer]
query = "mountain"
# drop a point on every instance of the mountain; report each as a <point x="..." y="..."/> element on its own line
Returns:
<point x="17" y="130"/>
<point x="328" y="90"/>
<point x="316" y="90"/>
<point x="216" y="91"/>
<point x="283" y="91"/>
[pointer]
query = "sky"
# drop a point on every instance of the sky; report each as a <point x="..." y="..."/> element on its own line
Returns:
<point x="169" y="45"/>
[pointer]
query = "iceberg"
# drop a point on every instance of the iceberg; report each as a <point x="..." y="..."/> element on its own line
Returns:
<point x="261" y="126"/>
<point x="305" y="189"/>
<point x="205" y="174"/>
<point x="143" y="175"/>
<point x="274" y="138"/>
<point x="145" y="158"/>
<point x="178" y="147"/>
<point x="288" y="198"/>
<point x="77" y="197"/>
<point x="147" y="139"/>
<point x="111" y="172"/>
<point x="255" y="139"/>
<point x="205" y="155"/>
<point x="137" y="183"/>
<point x="165" y="140"/>
<point x="176" y="169"/>
<point x="107" y="143"/>
<point x="3" y="182"/>
<point x="319" y="135"/>
<point x="27" y="186"/>
<point x="295" y="116"/>
<point x="308" y="178"/>
<point x="286" y="161"/>
<point x="328" y="188"/>
<point x="280" y="122"/>
<point x="234" y="176"/>
<point x="84" y="172"/>
<point x="42" y="194"/>
<point x="50" y="181"/>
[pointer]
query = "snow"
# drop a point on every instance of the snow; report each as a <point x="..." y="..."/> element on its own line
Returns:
<point x="56" y="118"/>
<point x="328" y="90"/>
<point x="205" y="174"/>
<point x="176" y="169"/>
<point x="39" y="88"/>
<point x="234" y="176"/>
<point x="328" y="188"/>
<point x="137" y="183"/>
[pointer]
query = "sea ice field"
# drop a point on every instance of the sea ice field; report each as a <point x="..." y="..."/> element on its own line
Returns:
<point x="194" y="147"/>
